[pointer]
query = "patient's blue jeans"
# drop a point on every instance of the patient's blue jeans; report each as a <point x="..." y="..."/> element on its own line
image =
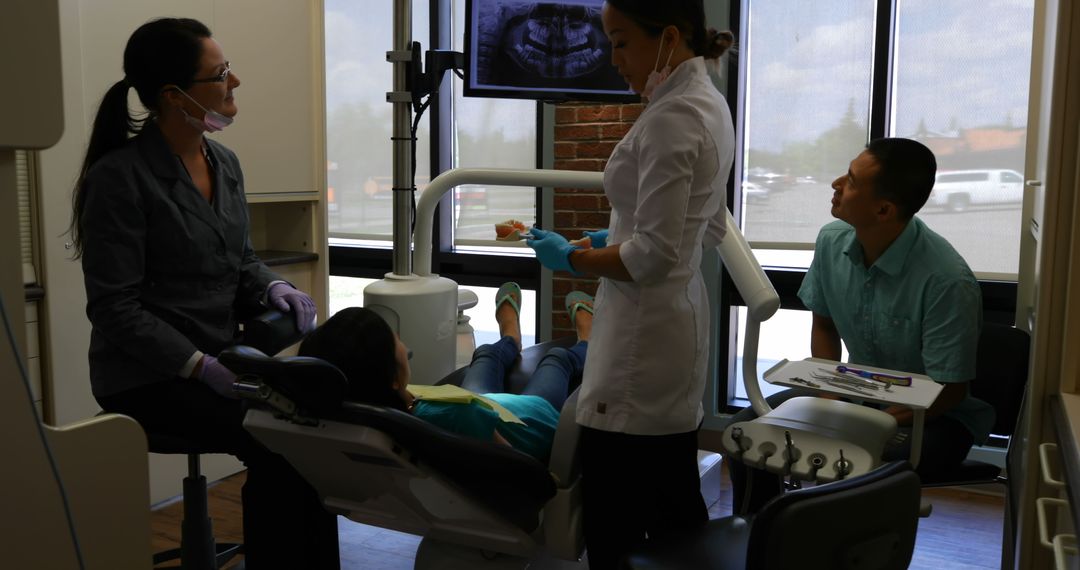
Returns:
<point x="492" y="362"/>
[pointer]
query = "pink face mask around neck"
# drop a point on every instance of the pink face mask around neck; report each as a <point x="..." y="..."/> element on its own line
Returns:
<point x="656" y="77"/>
<point x="211" y="122"/>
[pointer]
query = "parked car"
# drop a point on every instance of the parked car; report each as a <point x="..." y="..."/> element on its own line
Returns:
<point x="754" y="193"/>
<point x="768" y="179"/>
<point x="956" y="190"/>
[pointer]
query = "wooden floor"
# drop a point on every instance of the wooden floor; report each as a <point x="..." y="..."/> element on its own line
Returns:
<point x="964" y="531"/>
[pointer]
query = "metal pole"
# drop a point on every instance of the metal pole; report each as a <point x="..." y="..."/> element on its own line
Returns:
<point x="402" y="133"/>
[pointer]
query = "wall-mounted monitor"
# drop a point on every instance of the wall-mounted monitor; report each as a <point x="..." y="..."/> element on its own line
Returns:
<point x="551" y="50"/>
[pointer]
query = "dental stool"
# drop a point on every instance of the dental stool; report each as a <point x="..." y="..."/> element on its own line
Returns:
<point x="271" y="331"/>
<point x="198" y="550"/>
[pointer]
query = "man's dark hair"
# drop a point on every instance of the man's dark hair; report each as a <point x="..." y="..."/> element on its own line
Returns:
<point x="905" y="176"/>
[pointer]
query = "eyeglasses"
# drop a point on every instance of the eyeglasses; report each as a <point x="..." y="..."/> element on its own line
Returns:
<point x="220" y="78"/>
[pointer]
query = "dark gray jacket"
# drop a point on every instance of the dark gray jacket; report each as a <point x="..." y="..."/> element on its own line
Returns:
<point x="167" y="273"/>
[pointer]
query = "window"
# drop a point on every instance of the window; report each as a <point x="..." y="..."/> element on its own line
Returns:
<point x="818" y="80"/>
<point x="490" y="132"/>
<point x="358" y="118"/>
<point x="453" y="132"/>
<point x="960" y="86"/>
<point x="816" y="58"/>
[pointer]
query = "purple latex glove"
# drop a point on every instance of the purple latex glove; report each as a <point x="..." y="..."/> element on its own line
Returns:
<point x="217" y="377"/>
<point x="285" y="298"/>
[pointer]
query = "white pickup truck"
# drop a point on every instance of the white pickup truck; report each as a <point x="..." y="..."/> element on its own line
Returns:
<point x="955" y="190"/>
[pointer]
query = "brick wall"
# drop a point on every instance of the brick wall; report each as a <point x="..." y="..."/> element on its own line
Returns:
<point x="584" y="138"/>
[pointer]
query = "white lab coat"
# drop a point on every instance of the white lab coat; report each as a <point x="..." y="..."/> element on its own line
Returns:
<point x="666" y="182"/>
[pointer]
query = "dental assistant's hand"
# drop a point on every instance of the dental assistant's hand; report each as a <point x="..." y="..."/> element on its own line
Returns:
<point x="285" y="298"/>
<point x="552" y="250"/>
<point x="597" y="239"/>
<point x="216" y="376"/>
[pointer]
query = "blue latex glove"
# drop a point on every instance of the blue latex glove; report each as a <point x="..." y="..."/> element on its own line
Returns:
<point x="552" y="250"/>
<point x="217" y="377"/>
<point x="285" y="298"/>
<point x="598" y="239"/>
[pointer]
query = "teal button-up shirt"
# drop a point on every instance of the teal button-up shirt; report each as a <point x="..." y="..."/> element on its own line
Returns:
<point x="917" y="308"/>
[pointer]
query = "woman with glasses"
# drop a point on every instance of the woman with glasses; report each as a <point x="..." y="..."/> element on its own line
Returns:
<point x="160" y="223"/>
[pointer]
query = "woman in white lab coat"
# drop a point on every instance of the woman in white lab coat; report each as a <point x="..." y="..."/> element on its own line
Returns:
<point x="640" y="401"/>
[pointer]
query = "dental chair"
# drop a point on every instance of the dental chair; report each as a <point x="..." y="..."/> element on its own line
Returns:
<point x="477" y="504"/>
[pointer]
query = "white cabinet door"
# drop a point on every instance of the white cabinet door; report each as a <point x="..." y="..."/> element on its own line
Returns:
<point x="275" y="48"/>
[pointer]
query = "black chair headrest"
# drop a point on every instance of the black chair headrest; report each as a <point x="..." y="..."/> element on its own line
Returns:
<point x="313" y="384"/>
<point x="271" y="332"/>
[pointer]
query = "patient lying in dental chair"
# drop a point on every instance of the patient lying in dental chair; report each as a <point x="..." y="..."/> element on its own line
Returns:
<point x="361" y="344"/>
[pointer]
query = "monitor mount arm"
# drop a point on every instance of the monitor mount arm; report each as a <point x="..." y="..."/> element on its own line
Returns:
<point x="437" y="62"/>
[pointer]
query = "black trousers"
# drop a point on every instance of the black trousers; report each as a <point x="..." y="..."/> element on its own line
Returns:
<point x="637" y="487"/>
<point x="285" y="525"/>
<point x="945" y="445"/>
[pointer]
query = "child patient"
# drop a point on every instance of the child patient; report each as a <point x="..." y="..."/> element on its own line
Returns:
<point x="362" y="345"/>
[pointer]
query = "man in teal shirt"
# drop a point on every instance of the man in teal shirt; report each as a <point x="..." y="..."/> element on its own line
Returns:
<point x="898" y="296"/>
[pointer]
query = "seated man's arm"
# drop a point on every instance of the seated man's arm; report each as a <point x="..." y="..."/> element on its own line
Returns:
<point x="950" y="396"/>
<point x="950" y="341"/>
<point x="824" y="338"/>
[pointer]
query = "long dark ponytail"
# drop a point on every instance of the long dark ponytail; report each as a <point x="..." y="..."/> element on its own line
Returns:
<point x="161" y="52"/>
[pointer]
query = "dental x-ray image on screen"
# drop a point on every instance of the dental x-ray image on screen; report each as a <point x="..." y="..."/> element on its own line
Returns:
<point x="544" y="50"/>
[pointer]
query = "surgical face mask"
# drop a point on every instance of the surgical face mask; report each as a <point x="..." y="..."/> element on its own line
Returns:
<point x="656" y="77"/>
<point x="211" y="122"/>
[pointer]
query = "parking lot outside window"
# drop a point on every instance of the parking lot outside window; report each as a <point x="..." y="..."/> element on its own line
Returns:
<point x="819" y="80"/>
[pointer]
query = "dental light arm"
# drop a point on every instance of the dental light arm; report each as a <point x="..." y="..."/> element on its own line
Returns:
<point x="761" y="303"/>
<point x="429" y="198"/>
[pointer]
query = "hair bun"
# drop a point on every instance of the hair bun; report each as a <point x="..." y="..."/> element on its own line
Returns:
<point x="719" y="42"/>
